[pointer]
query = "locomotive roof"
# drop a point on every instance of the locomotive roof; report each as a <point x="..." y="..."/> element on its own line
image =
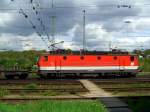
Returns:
<point x="86" y="53"/>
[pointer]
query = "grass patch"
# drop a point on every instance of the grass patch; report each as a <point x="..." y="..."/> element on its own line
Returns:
<point x="55" y="106"/>
<point x="50" y="93"/>
<point x="139" y="104"/>
<point x="31" y="86"/>
<point x="3" y="92"/>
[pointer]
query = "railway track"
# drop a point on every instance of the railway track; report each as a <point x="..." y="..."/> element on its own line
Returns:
<point x="42" y="87"/>
<point x="68" y="83"/>
<point x="128" y="85"/>
<point x="40" y="82"/>
<point x="14" y="90"/>
<point x="22" y="99"/>
<point x="127" y="89"/>
<point x="74" y="82"/>
<point x="122" y="81"/>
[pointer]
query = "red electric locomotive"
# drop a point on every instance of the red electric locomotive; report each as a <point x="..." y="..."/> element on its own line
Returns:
<point x="100" y="63"/>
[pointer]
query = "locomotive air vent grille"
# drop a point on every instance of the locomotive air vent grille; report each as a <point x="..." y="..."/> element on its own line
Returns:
<point x="98" y="58"/>
<point x="115" y="57"/>
<point x="82" y="57"/>
<point x="65" y="57"/>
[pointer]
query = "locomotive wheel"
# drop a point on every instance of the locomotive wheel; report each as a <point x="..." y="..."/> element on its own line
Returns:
<point x="23" y="76"/>
<point x="9" y="76"/>
<point x="43" y="76"/>
<point x="51" y="76"/>
<point x="133" y="75"/>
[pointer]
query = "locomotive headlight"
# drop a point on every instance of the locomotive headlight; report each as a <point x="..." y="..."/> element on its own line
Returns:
<point x="132" y="64"/>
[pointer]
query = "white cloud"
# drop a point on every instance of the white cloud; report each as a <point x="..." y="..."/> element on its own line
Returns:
<point x="138" y="23"/>
<point x="15" y="42"/>
<point x="98" y="38"/>
<point x="105" y="26"/>
<point x="5" y="18"/>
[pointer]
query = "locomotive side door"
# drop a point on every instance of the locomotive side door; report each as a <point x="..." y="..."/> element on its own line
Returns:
<point x="57" y="64"/>
<point x="121" y="63"/>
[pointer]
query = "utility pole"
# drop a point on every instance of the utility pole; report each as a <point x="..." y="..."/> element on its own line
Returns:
<point x="84" y="39"/>
<point x="110" y="46"/>
<point x="53" y="28"/>
<point x="52" y="3"/>
<point x="53" y="31"/>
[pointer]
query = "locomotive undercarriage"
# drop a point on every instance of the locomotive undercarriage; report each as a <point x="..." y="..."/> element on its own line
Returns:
<point x="82" y="74"/>
<point x="50" y="74"/>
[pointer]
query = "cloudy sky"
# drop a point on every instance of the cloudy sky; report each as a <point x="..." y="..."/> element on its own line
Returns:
<point x="27" y="24"/>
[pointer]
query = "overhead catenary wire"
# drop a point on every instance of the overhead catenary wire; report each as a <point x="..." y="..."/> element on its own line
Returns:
<point x="21" y="11"/>
<point x="122" y="5"/>
<point x="33" y="26"/>
<point x="42" y="25"/>
<point x="40" y="19"/>
<point x="52" y="40"/>
<point x="119" y="5"/>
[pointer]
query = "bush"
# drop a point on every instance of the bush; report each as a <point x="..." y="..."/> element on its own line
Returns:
<point x="145" y="65"/>
<point x="25" y="59"/>
<point x="3" y="92"/>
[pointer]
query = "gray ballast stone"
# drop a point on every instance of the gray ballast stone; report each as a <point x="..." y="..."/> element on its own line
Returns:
<point x="112" y="102"/>
<point x="119" y="110"/>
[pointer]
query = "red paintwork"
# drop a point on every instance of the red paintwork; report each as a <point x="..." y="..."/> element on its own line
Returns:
<point x="89" y="60"/>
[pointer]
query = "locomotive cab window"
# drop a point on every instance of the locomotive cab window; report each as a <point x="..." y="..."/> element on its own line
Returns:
<point x="45" y="58"/>
<point x="132" y="58"/>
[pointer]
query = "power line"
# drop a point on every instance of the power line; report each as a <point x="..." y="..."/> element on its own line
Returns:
<point x="40" y="20"/>
<point x="33" y="26"/>
<point x="84" y="37"/>
<point x="53" y="30"/>
<point x="85" y="6"/>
